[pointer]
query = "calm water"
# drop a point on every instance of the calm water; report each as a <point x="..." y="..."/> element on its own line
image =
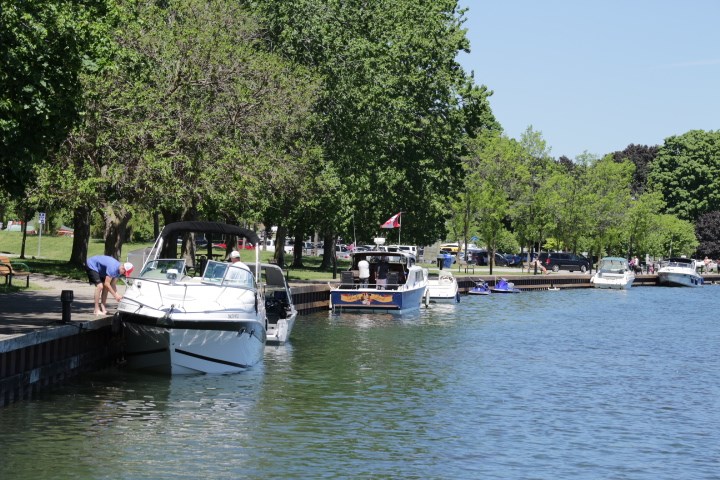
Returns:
<point x="575" y="384"/>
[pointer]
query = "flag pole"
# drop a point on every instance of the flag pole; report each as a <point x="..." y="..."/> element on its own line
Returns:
<point x="399" y="228"/>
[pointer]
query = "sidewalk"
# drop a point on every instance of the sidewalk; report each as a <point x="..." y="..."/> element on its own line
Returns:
<point x="28" y="311"/>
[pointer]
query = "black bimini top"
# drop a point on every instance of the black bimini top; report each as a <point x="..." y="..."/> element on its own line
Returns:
<point x="209" y="227"/>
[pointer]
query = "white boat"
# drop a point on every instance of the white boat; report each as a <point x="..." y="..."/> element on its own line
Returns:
<point x="279" y="307"/>
<point x="613" y="272"/>
<point x="212" y="322"/>
<point x="442" y="287"/>
<point x="680" y="272"/>
<point x="405" y="287"/>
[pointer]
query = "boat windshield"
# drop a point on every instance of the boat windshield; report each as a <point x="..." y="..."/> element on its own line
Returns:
<point x="613" y="266"/>
<point x="222" y="273"/>
<point x="157" y="269"/>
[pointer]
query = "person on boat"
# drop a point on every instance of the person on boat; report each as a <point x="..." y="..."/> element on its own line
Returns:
<point x="103" y="272"/>
<point x="364" y="272"/>
<point x="235" y="260"/>
<point x="382" y="272"/>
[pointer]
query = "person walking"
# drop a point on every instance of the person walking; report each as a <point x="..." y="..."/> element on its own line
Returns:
<point x="103" y="272"/>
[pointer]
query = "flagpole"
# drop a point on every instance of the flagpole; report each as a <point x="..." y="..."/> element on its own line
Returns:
<point x="399" y="228"/>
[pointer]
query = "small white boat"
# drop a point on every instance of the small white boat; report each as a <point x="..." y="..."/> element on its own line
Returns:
<point x="680" y="272"/>
<point x="442" y="287"/>
<point x="404" y="288"/>
<point x="614" y="273"/>
<point x="213" y="322"/>
<point x="279" y="307"/>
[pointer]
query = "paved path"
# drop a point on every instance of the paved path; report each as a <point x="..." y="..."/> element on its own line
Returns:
<point x="27" y="311"/>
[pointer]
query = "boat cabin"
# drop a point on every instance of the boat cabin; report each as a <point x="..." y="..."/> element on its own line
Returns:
<point x="399" y="268"/>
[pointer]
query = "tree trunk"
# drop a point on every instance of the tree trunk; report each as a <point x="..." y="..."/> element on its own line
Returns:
<point x="26" y="216"/>
<point x="328" y="251"/>
<point x="81" y="235"/>
<point x="298" y="246"/>
<point x="116" y="222"/>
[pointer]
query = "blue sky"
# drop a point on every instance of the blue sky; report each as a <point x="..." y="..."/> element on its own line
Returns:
<point x="598" y="76"/>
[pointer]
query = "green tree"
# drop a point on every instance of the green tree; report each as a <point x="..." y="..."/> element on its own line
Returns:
<point x="395" y="105"/>
<point x="45" y="45"/>
<point x="687" y="172"/>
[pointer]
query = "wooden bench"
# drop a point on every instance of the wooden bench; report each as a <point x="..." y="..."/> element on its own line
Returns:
<point x="9" y="271"/>
<point x="467" y="266"/>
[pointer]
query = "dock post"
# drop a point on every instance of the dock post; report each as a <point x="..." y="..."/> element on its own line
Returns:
<point x="66" y="297"/>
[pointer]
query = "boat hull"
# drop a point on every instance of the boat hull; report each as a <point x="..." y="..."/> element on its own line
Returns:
<point x="679" y="279"/>
<point x="170" y="346"/>
<point x="612" y="282"/>
<point x="279" y="333"/>
<point x="372" y="299"/>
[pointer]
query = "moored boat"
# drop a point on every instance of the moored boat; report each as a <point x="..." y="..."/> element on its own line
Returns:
<point x="614" y="273"/>
<point x="183" y="315"/>
<point x="680" y="272"/>
<point x="279" y="307"/>
<point x="480" y="288"/>
<point x="503" y="286"/>
<point x="442" y="287"/>
<point x="403" y="287"/>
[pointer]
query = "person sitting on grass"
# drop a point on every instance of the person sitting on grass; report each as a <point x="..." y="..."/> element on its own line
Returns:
<point x="103" y="272"/>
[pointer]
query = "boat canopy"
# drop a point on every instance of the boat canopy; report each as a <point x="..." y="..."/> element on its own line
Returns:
<point x="209" y="227"/>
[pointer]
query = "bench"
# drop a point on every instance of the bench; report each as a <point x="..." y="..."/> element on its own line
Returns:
<point x="9" y="271"/>
<point x="467" y="266"/>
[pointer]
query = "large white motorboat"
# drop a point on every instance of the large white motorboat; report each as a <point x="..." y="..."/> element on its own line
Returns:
<point x="442" y="287"/>
<point x="680" y="272"/>
<point x="404" y="288"/>
<point x="279" y="306"/>
<point x="613" y="272"/>
<point x="187" y="315"/>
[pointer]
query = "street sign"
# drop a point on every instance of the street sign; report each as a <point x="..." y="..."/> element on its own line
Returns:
<point x="41" y="218"/>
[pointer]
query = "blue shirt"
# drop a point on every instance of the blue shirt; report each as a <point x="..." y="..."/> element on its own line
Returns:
<point x="106" y="266"/>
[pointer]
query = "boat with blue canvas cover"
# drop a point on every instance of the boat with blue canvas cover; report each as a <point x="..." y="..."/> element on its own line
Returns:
<point x="396" y="284"/>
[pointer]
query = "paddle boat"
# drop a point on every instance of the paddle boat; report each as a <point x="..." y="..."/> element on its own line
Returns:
<point x="503" y="286"/>
<point x="480" y="288"/>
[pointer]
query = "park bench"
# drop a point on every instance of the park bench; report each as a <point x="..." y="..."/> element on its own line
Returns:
<point x="467" y="266"/>
<point x="9" y="271"/>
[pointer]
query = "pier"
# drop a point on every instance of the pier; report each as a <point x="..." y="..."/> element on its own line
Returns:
<point x="48" y="336"/>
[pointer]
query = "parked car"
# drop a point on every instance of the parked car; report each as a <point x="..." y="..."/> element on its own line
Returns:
<point x="513" y="260"/>
<point x="481" y="257"/>
<point x="341" y="252"/>
<point x="557" y="261"/>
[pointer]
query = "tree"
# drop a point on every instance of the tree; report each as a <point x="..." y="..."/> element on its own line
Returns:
<point x="642" y="156"/>
<point x="45" y="46"/>
<point x="395" y="105"/>
<point x="671" y="237"/>
<point x="687" y="172"/>
<point x="707" y="229"/>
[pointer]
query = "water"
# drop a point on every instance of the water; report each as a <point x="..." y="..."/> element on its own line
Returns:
<point x="580" y="384"/>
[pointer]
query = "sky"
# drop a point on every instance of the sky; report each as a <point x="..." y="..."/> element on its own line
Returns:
<point x="594" y="76"/>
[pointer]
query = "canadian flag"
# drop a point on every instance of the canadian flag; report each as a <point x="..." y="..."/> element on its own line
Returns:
<point x="393" y="222"/>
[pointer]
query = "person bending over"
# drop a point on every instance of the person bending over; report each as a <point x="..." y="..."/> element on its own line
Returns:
<point x="103" y="272"/>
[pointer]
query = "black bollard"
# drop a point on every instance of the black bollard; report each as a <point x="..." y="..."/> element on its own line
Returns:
<point x="66" y="297"/>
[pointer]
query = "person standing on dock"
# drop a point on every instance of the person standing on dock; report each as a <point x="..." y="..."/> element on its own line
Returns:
<point x="103" y="272"/>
